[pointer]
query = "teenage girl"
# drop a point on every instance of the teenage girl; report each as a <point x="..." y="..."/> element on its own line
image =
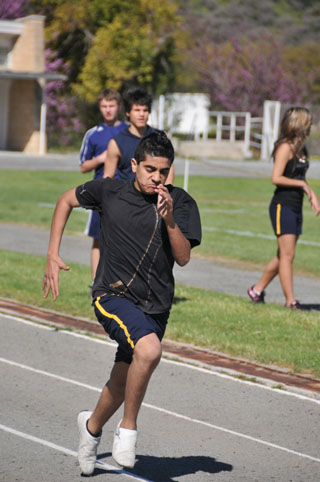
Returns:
<point x="290" y="165"/>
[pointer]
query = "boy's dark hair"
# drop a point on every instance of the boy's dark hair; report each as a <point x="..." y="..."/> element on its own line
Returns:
<point x="136" y="95"/>
<point x="109" y="94"/>
<point x="155" y="144"/>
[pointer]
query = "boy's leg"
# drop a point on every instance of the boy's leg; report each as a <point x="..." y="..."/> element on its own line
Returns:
<point x="90" y="424"/>
<point x="147" y="354"/>
<point x="110" y="399"/>
<point x="138" y="335"/>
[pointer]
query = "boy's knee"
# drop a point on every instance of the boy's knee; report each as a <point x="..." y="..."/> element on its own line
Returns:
<point x="148" y="350"/>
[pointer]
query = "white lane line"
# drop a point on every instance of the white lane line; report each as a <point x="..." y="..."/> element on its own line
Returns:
<point x="168" y="412"/>
<point x="48" y="374"/>
<point x="27" y="322"/>
<point x="59" y="448"/>
<point x="244" y="211"/>
<point x="244" y="382"/>
<point x="224" y="211"/>
<point x="173" y="362"/>
<point x="60" y="328"/>
<point x="232" y="432"/>
<point x="86" y="337"/>
<point x="187" y="365"/>
<point x="250" y="234"/>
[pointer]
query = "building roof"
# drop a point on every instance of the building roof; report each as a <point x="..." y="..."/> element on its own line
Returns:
<point x="6" y="74"/>
<point x="10" y="28"/>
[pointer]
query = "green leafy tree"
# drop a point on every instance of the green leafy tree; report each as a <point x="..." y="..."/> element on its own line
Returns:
<point x="135" y="47"/>
<point x="303" y="62"/>
<point x="108" y="43"/>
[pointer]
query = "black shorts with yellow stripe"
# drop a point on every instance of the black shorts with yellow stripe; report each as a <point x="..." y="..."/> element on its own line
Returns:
<point x="285" y="219"/>
<point x="125" y="323"/>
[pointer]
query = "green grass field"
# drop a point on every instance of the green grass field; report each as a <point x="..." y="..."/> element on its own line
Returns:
<point x="234" y="213"/>
<point x="268" y="334"/>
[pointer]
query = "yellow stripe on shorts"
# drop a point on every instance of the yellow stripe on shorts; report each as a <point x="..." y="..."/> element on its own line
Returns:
<point x="278" y="225"/>
<point x="117" y="319"/>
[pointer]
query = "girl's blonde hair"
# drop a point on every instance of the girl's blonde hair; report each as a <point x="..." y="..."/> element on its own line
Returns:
<point x="294" y="128"/>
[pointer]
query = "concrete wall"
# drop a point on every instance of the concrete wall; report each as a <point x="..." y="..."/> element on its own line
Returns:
<point x="22" y="125"/>
<point x="27" y="54"/>
<point x="24" y="108"/>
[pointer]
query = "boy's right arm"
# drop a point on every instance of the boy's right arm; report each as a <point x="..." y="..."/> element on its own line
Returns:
<point x="88" y="160"/>
<point x="65" y="204"/>
<point x="112" y="159"/>
<point x="91" y="164"/>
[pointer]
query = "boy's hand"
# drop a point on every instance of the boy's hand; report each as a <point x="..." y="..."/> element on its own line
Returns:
<point x="164" y="204"/>
<point x="102" y="157"/>
<point x="51" y="276"/>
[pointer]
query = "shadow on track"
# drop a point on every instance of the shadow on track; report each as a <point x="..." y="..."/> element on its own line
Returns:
<point x="165" y="469"/>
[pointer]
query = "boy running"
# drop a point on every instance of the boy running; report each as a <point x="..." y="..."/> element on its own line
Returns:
<point x="145" y="227"/>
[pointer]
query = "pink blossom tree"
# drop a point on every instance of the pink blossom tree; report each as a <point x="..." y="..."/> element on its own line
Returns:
<point x="240" y="75"/>
<point x="11" y="9"/>
<point x="63" y="125"/>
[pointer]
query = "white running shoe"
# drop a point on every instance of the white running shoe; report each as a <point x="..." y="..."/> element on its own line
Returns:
<point x="87" y="451"/>
<point x="124" y="446"/>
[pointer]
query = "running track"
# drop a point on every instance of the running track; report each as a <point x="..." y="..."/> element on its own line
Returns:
<point x="195" y="425"/>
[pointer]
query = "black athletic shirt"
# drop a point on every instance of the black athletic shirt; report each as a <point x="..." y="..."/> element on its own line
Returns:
<point x="135" y="253"/>
<point x="296" y="168"/>
<point x="127" y="143"/>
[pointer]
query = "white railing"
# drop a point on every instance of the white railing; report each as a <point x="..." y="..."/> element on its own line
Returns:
<point x="237" y="124"/>
<point x="254" y="132"/>
<point x="271" y="121"/>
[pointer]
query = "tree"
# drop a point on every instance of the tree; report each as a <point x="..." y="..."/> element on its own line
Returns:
<point x="107" y="43"/>
<point x="293" y="21"/>
<point x="136" y="47"/>
<point x="303" y="62"/>
<point x="246" y="52"/>
<point x="63" y="124"/>
<point x="240" y="75"/>
<point x="13" y="9"/>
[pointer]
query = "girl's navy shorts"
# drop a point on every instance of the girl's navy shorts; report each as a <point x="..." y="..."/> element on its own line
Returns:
<point x="285" y="219"/>
<point x="126" y="323"/>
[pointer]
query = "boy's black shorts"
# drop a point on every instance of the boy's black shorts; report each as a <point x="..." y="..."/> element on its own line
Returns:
<point x="126" y="323"/>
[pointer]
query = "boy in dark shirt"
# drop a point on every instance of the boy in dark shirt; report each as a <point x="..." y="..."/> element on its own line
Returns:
<point x="137" y="103"/>
<point x="92" y="157"/>
<point x="145" y="227"/>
